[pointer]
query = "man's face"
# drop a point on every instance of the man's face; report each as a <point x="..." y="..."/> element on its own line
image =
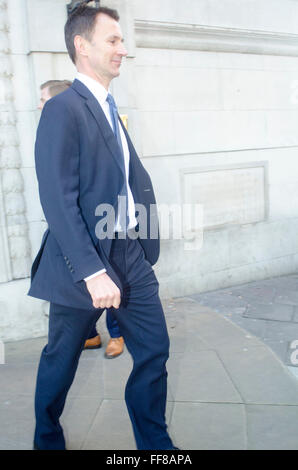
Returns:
<point x="44" y="96"/>
<point x="105" y="50"/>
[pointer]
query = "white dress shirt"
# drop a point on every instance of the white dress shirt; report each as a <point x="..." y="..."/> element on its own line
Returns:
<point x="101" y="94"/>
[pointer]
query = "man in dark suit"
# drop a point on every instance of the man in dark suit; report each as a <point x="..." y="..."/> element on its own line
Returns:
<point x="115" y="346"/>
<point x="87" y="167"/>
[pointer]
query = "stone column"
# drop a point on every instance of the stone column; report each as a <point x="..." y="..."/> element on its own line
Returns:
<point x="15" y="246"/>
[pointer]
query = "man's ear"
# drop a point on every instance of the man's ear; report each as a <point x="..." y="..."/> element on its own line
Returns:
<point x="81" y="46"/>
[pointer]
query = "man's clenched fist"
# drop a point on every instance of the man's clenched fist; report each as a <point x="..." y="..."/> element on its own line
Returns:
<point x="103" y="291"/>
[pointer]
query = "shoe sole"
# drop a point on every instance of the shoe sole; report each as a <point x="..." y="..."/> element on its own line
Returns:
<point x="93" y="347"/>
<point x="112" y="357"/>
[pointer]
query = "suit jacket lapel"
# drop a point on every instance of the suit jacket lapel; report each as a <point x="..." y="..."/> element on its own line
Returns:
<point x="132" y="153"/>
<point x="98" y="114"/>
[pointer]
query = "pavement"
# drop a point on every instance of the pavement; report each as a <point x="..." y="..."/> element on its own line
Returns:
<point x="233" y="377"/>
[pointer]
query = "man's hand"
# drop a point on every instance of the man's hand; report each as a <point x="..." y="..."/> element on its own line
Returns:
<point x="103" y="291"/>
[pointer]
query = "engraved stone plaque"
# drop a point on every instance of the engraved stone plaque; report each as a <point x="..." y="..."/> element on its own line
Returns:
<point x="229" y="195"/>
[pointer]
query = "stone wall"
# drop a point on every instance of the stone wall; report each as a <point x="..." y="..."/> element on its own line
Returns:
<point x="216" y="99"/>
<point x="210" y="90"/>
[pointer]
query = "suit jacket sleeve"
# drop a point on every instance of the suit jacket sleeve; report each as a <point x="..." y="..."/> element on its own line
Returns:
<point x="57" y="167"/>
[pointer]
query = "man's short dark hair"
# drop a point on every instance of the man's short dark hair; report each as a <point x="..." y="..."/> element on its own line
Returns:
<point x="82" y="22"/>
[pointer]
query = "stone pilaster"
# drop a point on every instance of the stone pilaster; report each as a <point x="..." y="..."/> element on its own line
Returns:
<point x="14" y="224"/>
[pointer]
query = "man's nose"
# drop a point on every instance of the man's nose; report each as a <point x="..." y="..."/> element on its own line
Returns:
<point x="122" y="50"/>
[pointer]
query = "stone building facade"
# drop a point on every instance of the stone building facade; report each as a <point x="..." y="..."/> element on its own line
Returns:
<point x="210" y="88"/>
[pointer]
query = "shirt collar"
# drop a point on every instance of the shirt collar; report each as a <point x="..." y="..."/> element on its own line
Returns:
<point x="95" y="87"/>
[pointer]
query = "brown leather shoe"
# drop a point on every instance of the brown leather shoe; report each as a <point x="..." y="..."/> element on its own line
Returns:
<point x="93" y="343"/>
<point x="114" y="348"/>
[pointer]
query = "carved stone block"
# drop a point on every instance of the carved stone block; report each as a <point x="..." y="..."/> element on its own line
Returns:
<point x="229" y="195"/>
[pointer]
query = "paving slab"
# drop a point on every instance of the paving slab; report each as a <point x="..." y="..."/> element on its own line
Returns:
<point x="195" y="377"/>
<point x="260" y="377"/>
<point x="116" y="368"/>
<point x="272" y="427"/>
<point x="17" y="425"/>
<point x="110" y="426"/>
<point x="267" y="308"/>
<point x="276" y="312"/>
<point x="209" y="426"/>
<point x="78" y="418"/>
<point x="18" y="379"/>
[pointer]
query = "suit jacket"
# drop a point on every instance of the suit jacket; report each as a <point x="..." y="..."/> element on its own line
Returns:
<point x="78" y="168"/>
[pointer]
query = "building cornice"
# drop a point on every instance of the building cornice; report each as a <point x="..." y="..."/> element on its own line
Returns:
<point x="162" y="35"/>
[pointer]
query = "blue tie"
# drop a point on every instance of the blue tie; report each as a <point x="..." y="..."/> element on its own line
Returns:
<point x="122" y="206"/>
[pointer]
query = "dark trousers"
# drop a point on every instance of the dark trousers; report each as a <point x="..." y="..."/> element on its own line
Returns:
<point x="142" y="323"/>
<point x="112" y="326"/>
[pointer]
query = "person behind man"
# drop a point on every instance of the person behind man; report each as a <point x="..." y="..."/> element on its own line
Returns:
<point x="115" y="346"/>
<point x="52" y="88"/>
<point x="87" y="167"/>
